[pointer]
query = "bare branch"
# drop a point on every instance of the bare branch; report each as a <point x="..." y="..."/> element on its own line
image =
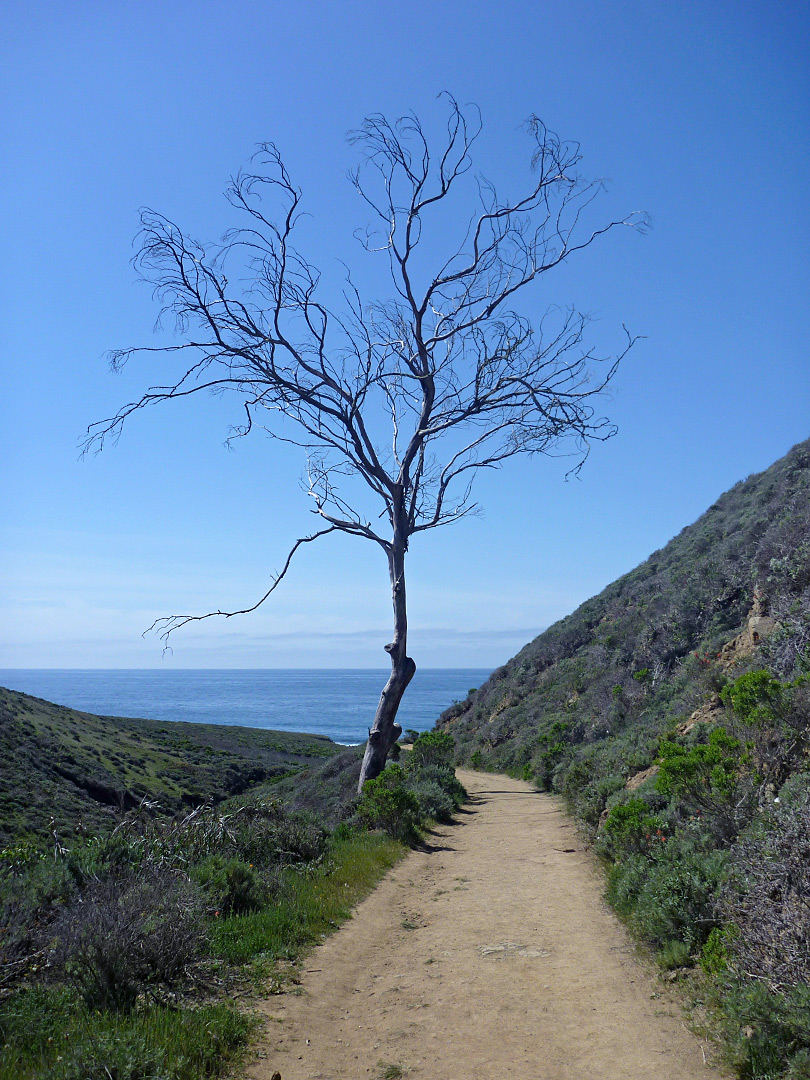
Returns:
<point x="167" y="625"/>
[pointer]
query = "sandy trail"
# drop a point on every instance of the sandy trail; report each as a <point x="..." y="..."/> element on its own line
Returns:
<point x="490" y="956"/>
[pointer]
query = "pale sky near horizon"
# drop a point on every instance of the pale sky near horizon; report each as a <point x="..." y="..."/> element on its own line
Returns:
<point x="696" y="112"/>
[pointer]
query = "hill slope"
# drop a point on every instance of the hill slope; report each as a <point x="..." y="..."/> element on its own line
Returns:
<point x="599" y="688"/>
<point x="75" y="767"/>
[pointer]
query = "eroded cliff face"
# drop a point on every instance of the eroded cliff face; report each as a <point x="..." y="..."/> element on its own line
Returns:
<point x="759" y="625"/>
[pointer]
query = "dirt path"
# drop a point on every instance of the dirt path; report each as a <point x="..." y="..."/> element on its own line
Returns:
<point x="491" y="956"/>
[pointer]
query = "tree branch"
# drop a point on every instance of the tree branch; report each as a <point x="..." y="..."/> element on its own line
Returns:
<point x="167" y="625"/>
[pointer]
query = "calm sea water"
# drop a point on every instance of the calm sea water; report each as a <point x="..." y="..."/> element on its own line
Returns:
<point x="339" y="704"/>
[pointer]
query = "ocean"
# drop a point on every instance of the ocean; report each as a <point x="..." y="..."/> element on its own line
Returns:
<point x="336" y="703"/>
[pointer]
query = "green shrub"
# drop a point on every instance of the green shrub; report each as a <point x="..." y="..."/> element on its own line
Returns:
<point x="707" y="777"/>
<point x="769" y="1033"/>
<point x="432" y="748"/>
<point x="233" y="885"/>
<point x="445" y="777"/>
<point x="675" y="954"/>
<point x="756" y="697"/>
<point x="434" y="801"/>
<point x="629" y="828"/>
<point x="672" y="897"/>
<point x="715" y="954"/>
<point x="401" y="799"/>
<point x="387" y="803"/>
<point x="547" y="760"/>
<point x="705" y="774"/>
<point x="33" y="888"/>
<point x="591" y="801"/>
<point x="773" y="719"/>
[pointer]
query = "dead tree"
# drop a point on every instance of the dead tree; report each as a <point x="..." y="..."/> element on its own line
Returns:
<point x="411" y="394"/>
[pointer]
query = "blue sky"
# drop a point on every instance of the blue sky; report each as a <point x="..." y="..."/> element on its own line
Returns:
<point x="696" y="112"/>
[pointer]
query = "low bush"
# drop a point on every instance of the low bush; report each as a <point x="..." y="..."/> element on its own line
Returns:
<point x="675" y="954"/>
<point x="672" y="896"/>
<point x="387" y="803"/>
<point x="129" y="935"/>
<point x="703" y="775"/>
<point x="33" y="887"/>
<point x="773" y="718"/>
<point x="403" y="798"/>
<point x="435" y="801"/>
<point x="768" y="1034"/>
<point x="716" y="953"/>
<point x="234" y="886"/>
<point x="261" y="833"/>
<point x="767" y="898"/>
<point x="630" y="828"/>
<point x="432" y="748"/>
<point x="437" y="789"/>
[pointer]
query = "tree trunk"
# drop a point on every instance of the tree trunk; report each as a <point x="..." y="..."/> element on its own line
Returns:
<point x="385" y="731"/>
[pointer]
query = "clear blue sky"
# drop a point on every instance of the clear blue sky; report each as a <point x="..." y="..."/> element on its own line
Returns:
<point x="698" y="114"/>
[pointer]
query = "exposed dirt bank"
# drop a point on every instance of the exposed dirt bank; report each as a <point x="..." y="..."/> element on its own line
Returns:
<point x="490" y="956"/>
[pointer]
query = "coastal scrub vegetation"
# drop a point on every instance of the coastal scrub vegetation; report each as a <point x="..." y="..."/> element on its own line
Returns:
<point x="87" y="769"/>
<point x="122" y="949"/>
<point x="401" y="798"/>
<point x="672" y="712"/>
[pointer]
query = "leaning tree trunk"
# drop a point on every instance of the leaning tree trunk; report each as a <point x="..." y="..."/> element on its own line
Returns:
<point x="385" y="731"/>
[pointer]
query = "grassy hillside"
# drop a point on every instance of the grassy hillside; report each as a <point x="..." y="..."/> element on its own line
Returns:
<point x="673" y="713"/>
<point x="75" y="767"/>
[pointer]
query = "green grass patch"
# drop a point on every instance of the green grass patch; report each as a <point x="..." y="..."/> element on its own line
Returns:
<point x="309" y="904"/>
<point x="48" y="1033"/>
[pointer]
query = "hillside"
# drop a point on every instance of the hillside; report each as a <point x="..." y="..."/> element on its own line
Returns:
<point x="75" y="767"/>
<point x="673" y="713"/>
<point x="599" y="688"/>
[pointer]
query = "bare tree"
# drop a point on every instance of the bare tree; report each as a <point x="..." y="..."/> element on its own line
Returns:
<point x="412" y="394"/>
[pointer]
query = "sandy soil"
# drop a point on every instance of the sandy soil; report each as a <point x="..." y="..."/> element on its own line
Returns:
<point x="490" y="956"/>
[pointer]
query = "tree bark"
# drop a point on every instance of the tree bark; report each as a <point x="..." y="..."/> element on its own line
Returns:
<point x="385" y="731"/>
